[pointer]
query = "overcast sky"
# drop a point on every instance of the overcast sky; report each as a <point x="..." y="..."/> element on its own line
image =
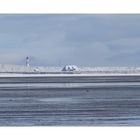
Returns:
<point x="85" y="40"/>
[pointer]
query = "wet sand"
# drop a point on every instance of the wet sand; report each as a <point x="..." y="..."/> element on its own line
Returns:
<point x="22" y="104"/>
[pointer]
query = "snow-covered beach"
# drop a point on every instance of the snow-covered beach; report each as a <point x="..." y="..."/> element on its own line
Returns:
<point x="19" y="70"/>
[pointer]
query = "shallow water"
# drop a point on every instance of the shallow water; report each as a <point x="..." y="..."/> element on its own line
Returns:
<point x="83" y="106"/>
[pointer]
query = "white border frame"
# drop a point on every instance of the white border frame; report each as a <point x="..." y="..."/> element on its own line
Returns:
<point x="79" y="7"/>
<point x="69" y="6"/>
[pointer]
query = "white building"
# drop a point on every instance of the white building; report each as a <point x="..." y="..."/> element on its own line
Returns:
<point x="70" y="68"/>
<point x="27" y="61"/>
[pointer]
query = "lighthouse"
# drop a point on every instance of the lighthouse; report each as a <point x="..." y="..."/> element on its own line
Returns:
<point x="27" y="61"/>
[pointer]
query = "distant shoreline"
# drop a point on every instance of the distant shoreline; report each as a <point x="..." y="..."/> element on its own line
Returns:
<point x="17" y="70"/>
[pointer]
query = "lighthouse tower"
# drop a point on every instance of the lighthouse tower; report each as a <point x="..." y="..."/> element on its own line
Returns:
<point x="27" y="61"/>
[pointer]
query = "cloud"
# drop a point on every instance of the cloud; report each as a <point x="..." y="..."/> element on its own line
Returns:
<point x="10" y="58"/>
<point x="90" y="40"/>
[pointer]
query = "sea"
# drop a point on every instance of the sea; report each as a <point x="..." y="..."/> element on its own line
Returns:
<point x="70" y="101"/>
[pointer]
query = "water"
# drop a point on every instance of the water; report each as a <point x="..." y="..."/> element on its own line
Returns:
<point x="69" y="107"/>
<point x="94" y="105"/>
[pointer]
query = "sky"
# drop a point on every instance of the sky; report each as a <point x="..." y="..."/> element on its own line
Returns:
<point x="74" y="39"/>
